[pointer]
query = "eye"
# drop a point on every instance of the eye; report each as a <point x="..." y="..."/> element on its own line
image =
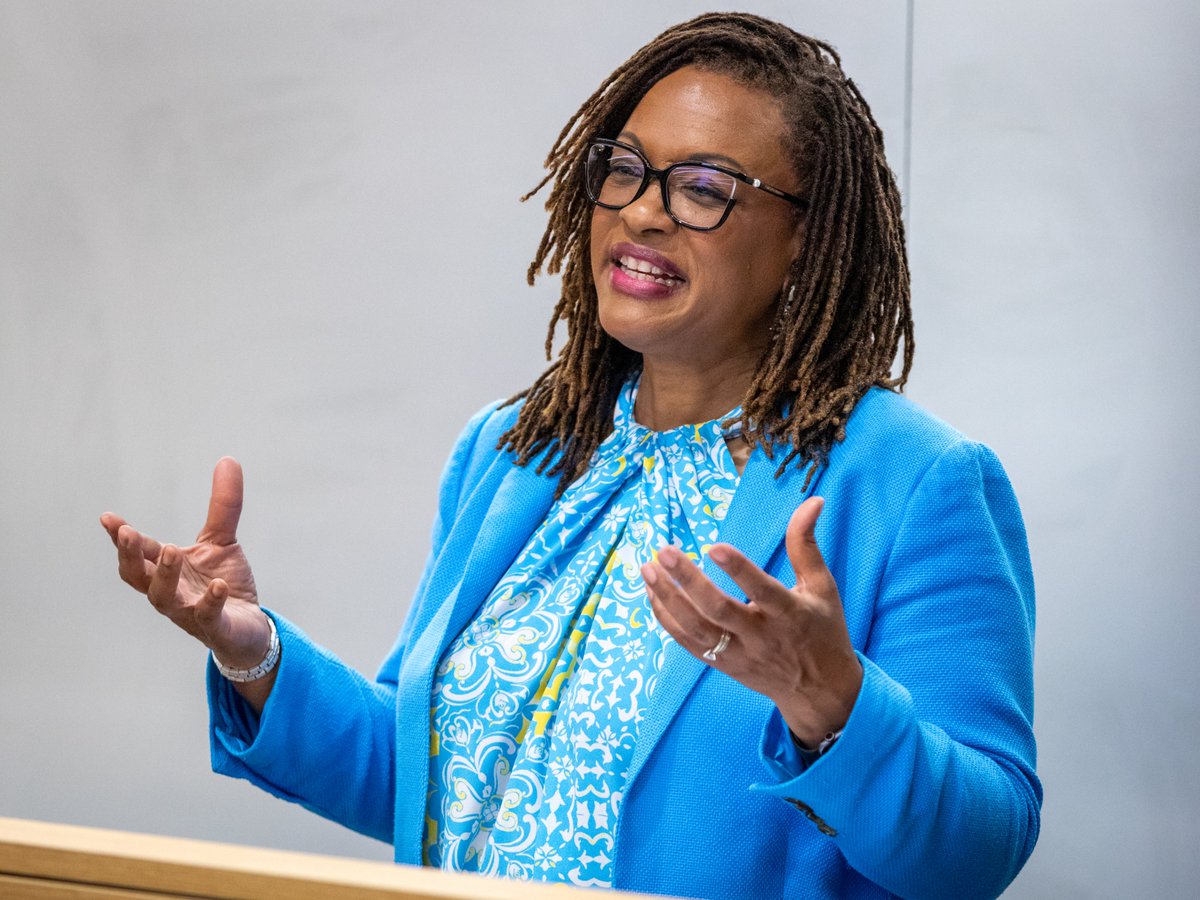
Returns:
<point x="625" y="167"/>
<point x="702" y="187"/>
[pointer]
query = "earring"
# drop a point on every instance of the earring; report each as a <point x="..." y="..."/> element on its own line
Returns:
<point x="786" y="301"/>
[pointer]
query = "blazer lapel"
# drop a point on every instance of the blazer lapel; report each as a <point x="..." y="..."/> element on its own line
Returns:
<point x="488" y="535"/>
<point x="519" y="507"/>
<point x="496" y="532"/>
<point x="760" y="503"/>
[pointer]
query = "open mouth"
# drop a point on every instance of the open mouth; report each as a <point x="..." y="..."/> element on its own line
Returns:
<point x="643" y="270"/>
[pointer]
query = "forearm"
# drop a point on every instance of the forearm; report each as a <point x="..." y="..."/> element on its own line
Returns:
<point x="324" y="737"/>
<point x="915" y="811"/>
<point x="257" y="692"/>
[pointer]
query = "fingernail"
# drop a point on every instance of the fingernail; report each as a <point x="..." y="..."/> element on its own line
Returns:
<point x="719" y="553"/>
<point x="168" y="556"/>
<point x="649" y="574"/>
<point x="669" y="556"/>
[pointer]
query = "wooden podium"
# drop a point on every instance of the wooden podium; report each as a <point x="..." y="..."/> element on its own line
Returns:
<point x="45" y="861"/>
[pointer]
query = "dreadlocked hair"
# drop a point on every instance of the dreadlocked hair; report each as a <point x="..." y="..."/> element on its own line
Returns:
<point x="844" y="306"/>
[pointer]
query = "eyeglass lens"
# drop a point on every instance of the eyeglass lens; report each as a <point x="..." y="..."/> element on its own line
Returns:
<point x="696" y="195"/>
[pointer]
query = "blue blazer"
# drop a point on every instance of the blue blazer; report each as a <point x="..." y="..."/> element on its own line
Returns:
<point x="931" y="790"/>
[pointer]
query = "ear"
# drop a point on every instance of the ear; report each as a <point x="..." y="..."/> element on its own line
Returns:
<point x="799" y="234"/>
<point x="796" y="248"/>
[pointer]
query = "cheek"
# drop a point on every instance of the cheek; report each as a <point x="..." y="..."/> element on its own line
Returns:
<point x="596" y="243"/>
<point x="776" y="254"/>
<point x="755" y="264"/>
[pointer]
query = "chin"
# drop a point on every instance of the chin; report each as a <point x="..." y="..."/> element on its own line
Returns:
<point x="636" y="328"/>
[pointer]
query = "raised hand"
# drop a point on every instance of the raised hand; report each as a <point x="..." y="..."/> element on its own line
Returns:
<point x="790" y="644"/>
<point x="207" y="589"/>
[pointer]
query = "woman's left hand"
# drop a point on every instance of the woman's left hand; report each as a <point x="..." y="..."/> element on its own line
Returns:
<point x="790" y="644"/>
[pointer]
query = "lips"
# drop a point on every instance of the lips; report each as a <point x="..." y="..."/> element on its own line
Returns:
<point x="643" y="272"/>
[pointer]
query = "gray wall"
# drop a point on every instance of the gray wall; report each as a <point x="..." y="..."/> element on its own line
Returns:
<point x="289" y="232"/>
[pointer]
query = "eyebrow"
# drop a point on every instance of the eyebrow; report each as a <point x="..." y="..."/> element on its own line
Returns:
<point x="631" y="138"/>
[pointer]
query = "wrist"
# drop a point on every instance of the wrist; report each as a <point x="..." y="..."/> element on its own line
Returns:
<point x="817" y="721"/>
<point x="266" y="664"/>
<point x="812" y="754"/>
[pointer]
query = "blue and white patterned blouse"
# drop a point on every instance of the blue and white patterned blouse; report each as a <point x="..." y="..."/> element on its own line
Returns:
<point x="537" y="704"/>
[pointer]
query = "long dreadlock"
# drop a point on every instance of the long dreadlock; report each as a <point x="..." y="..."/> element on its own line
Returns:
<point x="843" y="308"/>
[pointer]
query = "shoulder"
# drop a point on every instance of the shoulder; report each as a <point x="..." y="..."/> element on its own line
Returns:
<point x="483" y="430"/>
<point x="895" y="450"/>
<point x="884" y="421"/>
<point x="478" y="441"/>
<point x="476" y="453"/>
<point x="888" y="435"/>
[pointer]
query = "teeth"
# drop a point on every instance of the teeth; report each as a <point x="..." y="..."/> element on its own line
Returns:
<point x="645" y="271"/>
<point x="640" y="265"/>
<point x="646" y="276"/>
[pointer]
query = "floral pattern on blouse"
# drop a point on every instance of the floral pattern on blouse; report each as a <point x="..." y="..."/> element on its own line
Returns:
<point x="536" y="705"/>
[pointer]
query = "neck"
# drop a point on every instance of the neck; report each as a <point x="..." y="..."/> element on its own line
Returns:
<point x="672" y="395"/>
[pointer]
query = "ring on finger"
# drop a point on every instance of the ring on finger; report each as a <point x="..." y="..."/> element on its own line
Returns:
<point x="718" y="648"/>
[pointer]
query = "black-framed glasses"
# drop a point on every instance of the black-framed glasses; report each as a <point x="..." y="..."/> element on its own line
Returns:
<point x="696" y="195"/>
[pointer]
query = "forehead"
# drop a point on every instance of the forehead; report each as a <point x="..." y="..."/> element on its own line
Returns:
<point x="693" y="112"/>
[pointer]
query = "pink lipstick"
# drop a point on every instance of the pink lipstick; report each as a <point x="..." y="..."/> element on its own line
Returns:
<point x="641" y="272"/>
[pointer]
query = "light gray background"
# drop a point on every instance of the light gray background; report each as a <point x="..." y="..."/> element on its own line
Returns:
<point x="289" y="232"/>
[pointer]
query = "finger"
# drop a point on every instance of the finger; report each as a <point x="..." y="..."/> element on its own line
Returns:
<point x="164" y="583"/>
<point x="803" y="552"/>
<point x="694" y="627"/>
<point x="112" y="524"/>
<point x="760" y="588"/>
<point x="225" y="503"/>
<point x="131" y="563"/>
<point x="151" y="549"/>
<point x="666" y="619"/>
<point x="711" y="601"/>
<point x="208" y="610"/>
<point x="686" y="638"/>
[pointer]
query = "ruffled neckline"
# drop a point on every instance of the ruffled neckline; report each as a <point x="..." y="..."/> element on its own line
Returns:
<point x="629" y="435"/>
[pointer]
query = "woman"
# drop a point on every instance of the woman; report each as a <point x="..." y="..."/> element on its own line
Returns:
<point x="641" y="654"/>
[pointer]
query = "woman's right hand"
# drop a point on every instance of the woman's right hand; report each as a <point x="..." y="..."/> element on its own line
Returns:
<point x="207" y="589"/>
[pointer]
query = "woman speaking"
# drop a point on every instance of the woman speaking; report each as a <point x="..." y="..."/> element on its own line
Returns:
<point x="711" y="610"/>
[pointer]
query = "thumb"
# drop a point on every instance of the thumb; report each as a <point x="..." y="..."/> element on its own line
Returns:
<point x="225" y="504"/>
<point x="802" y="550"/>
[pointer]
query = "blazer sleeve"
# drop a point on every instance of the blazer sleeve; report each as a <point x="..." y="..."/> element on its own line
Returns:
<point x="931" y="791"/>
<point x="326" y="738"/>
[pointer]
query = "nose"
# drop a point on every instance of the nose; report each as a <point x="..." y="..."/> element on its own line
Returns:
<point x="649" y="211"/>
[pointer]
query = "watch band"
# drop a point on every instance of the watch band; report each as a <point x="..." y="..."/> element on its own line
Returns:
<point x="263" y="668"/>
